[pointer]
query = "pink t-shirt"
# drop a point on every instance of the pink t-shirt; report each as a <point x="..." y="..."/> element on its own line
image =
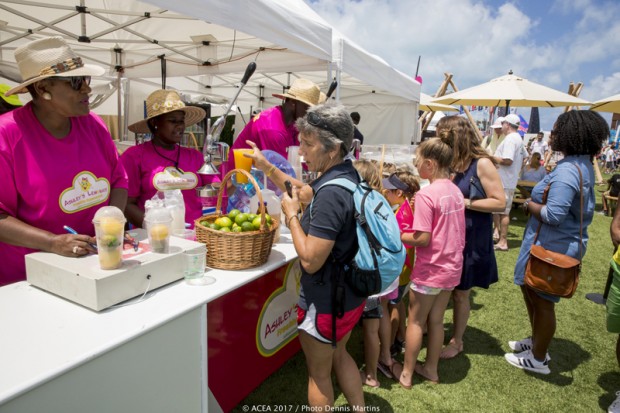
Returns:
<point x="49" y="182"/>
<point x="439" y="210"/>
<point x="150" y="171"/>
<point x="268" y="131"/>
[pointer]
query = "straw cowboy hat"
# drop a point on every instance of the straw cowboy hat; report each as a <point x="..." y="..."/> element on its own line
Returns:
<point x="48" y="57"/>
<point x="164" y="101"/>
<point x="302" y="90"/>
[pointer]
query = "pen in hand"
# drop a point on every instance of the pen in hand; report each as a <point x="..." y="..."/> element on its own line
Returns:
<point x="74" y="232"/>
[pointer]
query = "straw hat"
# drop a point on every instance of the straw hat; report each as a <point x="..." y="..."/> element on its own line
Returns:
<point x="47" y="57"/>
<point x="164" y="101"/>
<point x="302" y="90"/>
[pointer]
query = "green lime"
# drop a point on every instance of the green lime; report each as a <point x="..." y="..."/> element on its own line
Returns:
<point x="233" y="214"/>
<point x="241" y="218"/>
<point x="214" y="226"/>
<point x="251" y="217"/>
<point x="256" y="223"/>
<point x="224" y="222"/>
<point x="268" y="219"/>
<point x="225" y="229"/>
<point x="247" y="226"/>
<point x="237" y="229"/>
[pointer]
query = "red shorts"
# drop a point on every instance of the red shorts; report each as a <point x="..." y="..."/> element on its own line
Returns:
<point x="319" y="326"/>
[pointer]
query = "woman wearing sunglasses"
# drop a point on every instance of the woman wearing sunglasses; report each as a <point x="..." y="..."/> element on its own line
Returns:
<point x="57" y="159"/>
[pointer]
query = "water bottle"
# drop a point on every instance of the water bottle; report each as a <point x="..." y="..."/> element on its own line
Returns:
<point x="239" y="200"/>
<point x="259" y="176"/>
<point x="273" y="207"/>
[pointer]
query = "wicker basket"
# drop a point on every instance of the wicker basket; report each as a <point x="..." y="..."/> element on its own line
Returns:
<point x="236" y="250"/>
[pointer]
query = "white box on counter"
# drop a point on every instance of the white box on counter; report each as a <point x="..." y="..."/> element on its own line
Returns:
<point x="82" y="281"/>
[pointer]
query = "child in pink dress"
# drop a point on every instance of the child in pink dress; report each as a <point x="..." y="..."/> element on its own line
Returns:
<point x="439" y="238"/>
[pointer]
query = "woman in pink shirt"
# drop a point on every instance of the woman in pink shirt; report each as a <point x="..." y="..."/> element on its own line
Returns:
<point x="439" y="238"/>
<point x="162" y="163"/>
<point x="58" y="162"/>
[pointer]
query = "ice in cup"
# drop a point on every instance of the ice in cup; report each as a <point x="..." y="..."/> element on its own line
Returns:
<point x="242" y="162"/>
<point x="109" y="224"/>
<point x="158" y="223"/>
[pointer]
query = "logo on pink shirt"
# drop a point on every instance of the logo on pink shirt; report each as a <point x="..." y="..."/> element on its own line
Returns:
<point x="171" y="178"/>
<point x="87" y="191"/>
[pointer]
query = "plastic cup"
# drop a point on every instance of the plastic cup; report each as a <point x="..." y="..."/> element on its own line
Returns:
<point x="194" y="263"/>
<point x="109" y="231"/>
<point x="158" y="223"/>
<point x="189" y="234"/>
<point x="241" y="162"/>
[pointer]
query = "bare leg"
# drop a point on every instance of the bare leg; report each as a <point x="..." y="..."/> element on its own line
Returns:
<point x="319" y="358"/>
<point x="347" y="375"/>
<point x="504" y="222"/>
<point x="370" y="328"/>
<point x="385" y="333"/>
<point x="419" y="308"/>
<point x="496" y="226"/>
<point x="544" y="324"/>
<point x="528" y="305"/>
<point x="461" y="311"/>
<point x="435" y="334"/>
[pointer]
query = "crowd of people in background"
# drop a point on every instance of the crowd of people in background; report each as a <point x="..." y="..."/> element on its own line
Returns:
<point x="448" y="226"/>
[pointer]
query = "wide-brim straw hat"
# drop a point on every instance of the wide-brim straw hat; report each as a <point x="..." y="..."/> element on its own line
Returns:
<point x="164" y="101"/>
<point x="302" y="90"/>
<point x="48" y="57"/>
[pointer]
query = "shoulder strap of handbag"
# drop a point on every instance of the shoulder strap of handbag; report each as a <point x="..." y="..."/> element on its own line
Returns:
<point x="544" y="201"/>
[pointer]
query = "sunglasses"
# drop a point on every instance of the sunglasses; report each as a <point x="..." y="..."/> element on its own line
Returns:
<point x="316" y="120"/>
<point x="76" y="81"/>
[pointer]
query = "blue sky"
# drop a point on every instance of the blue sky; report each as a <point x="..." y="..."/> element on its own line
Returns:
<point x="551" y="42"/>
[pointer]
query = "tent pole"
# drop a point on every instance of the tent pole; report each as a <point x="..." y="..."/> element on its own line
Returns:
<point x="471" y="119"/>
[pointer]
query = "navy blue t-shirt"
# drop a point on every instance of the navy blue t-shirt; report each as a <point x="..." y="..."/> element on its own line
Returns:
<point x="331" y="217"/>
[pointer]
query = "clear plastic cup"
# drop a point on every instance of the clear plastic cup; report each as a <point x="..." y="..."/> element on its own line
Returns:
<point x="195" y="262"/>
<point x="158" y="223"/>
<point x="109" y="224"/>
<point x="241" y="162"/>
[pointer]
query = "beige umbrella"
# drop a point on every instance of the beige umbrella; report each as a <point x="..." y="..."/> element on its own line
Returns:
<point x="511" y="90"/>
<point x="427" y="104"/>
<point x="610" y="104"/>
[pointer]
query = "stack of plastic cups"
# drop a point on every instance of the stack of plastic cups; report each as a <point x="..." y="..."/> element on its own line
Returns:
<point x="295" y="160"/>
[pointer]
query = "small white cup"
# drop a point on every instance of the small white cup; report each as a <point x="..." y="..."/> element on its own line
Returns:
<point x="194" y="263"/>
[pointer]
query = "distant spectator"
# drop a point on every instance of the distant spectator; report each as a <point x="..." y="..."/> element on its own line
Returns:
<point x="492" y="141"/>
<point x="610" y="157"/>
<point x="539" y="146"/>
<point x="8" y="103"/>
<point x="355" y="117"/>
<point x="613" y="189"/>
<point x="533" y="171"/>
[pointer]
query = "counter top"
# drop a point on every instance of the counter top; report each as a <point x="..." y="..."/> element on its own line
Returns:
<point x="43" y="336"/>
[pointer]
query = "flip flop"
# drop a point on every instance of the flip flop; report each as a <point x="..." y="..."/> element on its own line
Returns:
<point x="419" y="370"/>
<point x="496" y="248"/>
<point x="450" y="351"/>
<point x="385" y="370"/>
<point x="405" y="386"/>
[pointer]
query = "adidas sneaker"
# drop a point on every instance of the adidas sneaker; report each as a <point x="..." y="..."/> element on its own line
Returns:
<point x="526" y="361"/>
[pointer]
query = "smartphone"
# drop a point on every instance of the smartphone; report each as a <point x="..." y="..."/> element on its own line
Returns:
<point x="289" y="188"/>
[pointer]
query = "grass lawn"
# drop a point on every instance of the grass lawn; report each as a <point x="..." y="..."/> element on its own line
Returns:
<point x="584" y="372"/>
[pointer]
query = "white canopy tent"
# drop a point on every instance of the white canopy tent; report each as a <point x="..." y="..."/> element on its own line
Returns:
<point x="207" y="53"/>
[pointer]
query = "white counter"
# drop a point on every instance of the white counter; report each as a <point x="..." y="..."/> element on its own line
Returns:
<point x="43" y="336"/>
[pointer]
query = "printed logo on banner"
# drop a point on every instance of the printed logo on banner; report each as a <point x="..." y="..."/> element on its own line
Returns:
<point x="86" y="191"/>
<point x="277" y="324"/>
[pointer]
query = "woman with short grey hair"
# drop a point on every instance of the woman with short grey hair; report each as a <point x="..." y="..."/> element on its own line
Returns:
<point x="325" y="239"/>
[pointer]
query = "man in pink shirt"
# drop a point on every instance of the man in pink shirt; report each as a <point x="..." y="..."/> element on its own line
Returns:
<point x="274" y="128"/>
<point x="57" y="160"/>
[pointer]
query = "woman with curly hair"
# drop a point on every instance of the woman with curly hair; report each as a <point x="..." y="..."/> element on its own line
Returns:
<point x="472" y="162"/>
<point x="579" y="135"/>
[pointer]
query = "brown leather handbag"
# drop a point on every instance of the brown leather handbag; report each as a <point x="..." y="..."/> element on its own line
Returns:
<point x="551" y="272"/>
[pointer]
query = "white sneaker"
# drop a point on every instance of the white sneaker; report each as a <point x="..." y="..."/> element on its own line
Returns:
<point x="521" y="345"/>
<point x="526" y="361"/>
<point x="615" y="406"/>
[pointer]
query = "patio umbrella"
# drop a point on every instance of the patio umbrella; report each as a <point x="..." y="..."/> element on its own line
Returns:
<point x="610" y="104"/>
<point x="511" y="90"/>
<point x="427" y="104"/>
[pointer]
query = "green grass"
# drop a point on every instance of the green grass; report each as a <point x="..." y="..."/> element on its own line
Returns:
<point x="584" y="372"/>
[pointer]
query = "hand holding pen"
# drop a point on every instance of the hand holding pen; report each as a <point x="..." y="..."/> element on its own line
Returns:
<point x="82" y="246"/>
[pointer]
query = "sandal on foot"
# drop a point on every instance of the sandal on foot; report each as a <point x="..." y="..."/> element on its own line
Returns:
<point x="451" y="351"/>
<point x="403" y="385"/>
<point x="419" y="370"/>
<point x="385" y="370"/>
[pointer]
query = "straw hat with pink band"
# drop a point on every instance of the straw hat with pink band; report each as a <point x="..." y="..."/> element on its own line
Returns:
<point x="49" y="57"/>
<point x="164" y="101"/>
<point x="302" y="90"/>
